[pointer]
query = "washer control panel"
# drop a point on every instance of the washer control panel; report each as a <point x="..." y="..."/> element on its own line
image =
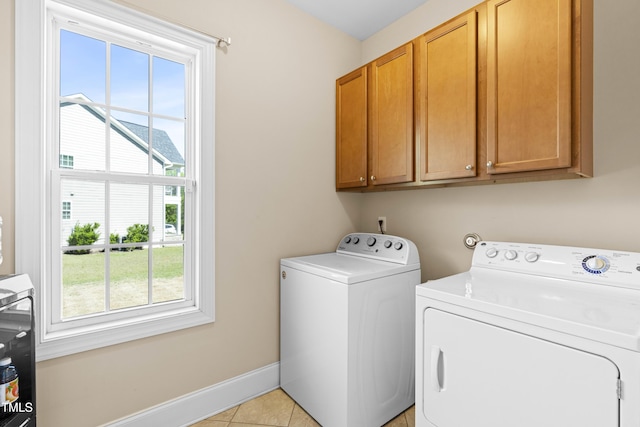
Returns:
<point x="379" y="246"/>
<point x="600" y="266"/>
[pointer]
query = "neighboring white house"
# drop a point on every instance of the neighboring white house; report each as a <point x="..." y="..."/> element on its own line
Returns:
<point x="82" y="146"/>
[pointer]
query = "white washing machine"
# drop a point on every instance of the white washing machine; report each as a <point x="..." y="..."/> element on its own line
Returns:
<point x="347" y="330"/>
<point x="532" y="335"/>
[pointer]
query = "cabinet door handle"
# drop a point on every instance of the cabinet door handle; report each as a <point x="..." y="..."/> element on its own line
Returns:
<point x="362" y="179"/>
<point x="468" y="167"/>
<point x="437" y="369"/>
<point x="489" y="164"/>
<point x="373" y="177"/>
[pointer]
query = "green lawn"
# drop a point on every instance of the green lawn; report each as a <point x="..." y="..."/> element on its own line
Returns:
<point x="83" y="279"/>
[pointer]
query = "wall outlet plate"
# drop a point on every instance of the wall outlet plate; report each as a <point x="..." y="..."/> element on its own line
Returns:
<point x="382" y="227"/>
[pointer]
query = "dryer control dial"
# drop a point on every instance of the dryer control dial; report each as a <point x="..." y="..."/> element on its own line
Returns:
<point x="595" y="264"/>
<point x="371" y="241"/>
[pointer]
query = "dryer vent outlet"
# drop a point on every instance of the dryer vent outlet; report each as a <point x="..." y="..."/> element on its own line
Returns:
<point x="382" y="224"/>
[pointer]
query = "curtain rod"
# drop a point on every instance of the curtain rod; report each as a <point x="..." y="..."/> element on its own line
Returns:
<point x="226" y="41"/>
<point x="220" y="41"/>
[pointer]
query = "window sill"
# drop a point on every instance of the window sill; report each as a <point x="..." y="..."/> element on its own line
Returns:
<point x="72" y="341"/>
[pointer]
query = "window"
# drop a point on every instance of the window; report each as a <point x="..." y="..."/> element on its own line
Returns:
<point x="123" y="115"/>
<point x="66" y="161"/>
<point x="66" y="210"/>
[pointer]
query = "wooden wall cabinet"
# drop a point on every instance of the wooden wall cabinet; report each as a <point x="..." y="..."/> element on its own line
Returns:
<point x="391" y="117"/>
<point x="539" y="89"/>
<point x="447" y="99"/>
<point x="351" y="130"/>
<point x="503" y="93"/>
<point x="374" y="122"/>
<point x="528" y="85"/>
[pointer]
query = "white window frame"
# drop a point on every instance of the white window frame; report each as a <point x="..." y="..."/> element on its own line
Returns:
<point x="37" y="210"/>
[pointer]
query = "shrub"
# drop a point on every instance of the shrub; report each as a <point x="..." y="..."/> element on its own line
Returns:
<point x="82" y="235"/>
<point x="138" y="233"/>
<point x="114" y="239"/>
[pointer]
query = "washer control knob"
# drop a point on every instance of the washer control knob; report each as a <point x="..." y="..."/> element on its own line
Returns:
<point x="371" y="241"/>
<point x="531" y="256"/>
<point x="356" y="240"/>
<point x="491" y="253"/>
<point x="398" y="246"/>
<point x="511" y="255"/>
<point x="387" y="244"/>
<point x="347" y="239"/>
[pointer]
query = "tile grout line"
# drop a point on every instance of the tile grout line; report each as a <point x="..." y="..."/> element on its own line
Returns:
<point x="293" y="408"/>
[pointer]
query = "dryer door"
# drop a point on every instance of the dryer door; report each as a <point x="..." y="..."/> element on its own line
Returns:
<point x="480" y="375"/>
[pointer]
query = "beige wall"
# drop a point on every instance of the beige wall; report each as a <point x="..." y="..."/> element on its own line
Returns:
<point x="600" y="212"/>
<point x="275" y="191"/>
<point x="275" y="198"/>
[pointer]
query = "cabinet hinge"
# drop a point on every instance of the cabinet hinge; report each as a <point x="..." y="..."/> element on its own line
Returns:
<point x="619" y="389"/>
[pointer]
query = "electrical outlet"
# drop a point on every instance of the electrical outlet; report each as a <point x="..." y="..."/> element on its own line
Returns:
<point x="382" y="227"/>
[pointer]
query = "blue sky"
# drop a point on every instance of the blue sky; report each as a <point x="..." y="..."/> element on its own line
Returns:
<point x="83" y="70"/>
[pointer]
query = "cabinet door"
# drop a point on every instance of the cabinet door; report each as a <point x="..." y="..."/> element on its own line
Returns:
<point x="391" y="115"/>
<point x="480" y="375"/>
<point x="447" y="109"/>
<point x="528" y="85"/>
<point x="351" y="130"/>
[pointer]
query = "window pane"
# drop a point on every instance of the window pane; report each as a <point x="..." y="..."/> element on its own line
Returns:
<point x="129" y="278"/>
<point x="173" y="213"/>
<point x="82" y="66"/>
<point x="87" y="200"/>
<point x="129" y="141"/>
<point x="168" y="87"/>
<point x="83" y="290"/>
<point x="82" y="267"/>
<point x="82" y="136"/>
<point x="66" y="161"/>
<point x="66" y="210"/>
<point x="129" y="79"/>
<point x="168" y="144"/>
<point x="129" y="213"/>
<point x="168" y="273"/>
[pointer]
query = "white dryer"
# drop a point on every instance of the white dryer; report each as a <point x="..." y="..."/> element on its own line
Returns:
<point x="347" y="330"/>
<point x="532" y="335"/>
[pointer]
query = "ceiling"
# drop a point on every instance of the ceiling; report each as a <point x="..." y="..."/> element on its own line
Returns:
<point x="358" y="18"/>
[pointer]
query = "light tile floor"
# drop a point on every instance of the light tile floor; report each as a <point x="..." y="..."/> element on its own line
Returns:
<point x="277" y="409"/>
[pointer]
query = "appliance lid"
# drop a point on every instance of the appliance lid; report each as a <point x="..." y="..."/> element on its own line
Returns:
<point x="14" y="287"/>
<point x="601" y="313"/>
<point x="348" y="269"/>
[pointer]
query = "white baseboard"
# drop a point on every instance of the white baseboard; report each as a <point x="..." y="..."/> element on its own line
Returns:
<point x="209" y="401"/>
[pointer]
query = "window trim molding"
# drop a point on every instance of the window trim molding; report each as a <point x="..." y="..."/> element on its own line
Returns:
<point x="31" y="199"/>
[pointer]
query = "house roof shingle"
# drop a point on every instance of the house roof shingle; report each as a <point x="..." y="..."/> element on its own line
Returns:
<point x="161" y="141"/>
